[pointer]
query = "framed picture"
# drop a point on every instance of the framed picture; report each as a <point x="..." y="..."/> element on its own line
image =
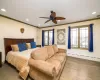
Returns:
<point x="61" y="36"/>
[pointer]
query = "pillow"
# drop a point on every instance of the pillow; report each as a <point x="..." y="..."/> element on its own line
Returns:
<point x="22" y="46"/>
<point x="15" y="47"/>
<point x="28" y="45"/>
<point x="33" y="44"/>
<point x="50" y="51"/>
<point x="40" y="54"/>
<point x="55" y="48"/>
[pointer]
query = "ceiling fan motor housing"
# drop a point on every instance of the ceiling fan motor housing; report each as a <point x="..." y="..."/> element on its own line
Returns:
<point x="52" y="18"/>
<point x="51" y="11"/>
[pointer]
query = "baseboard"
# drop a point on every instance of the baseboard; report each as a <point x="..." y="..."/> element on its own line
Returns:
<point x="84" y="57"/>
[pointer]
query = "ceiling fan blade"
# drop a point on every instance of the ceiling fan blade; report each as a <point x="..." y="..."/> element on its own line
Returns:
<point x="44" y="17"/>
<point x="54" y="21"/>
<point x="60" y="18"/>
<point x="47" y="21"/>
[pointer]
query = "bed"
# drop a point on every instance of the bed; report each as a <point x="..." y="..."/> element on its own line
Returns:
<point x="18" y="59"/>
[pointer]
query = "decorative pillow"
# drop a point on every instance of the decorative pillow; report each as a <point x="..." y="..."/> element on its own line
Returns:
<point x="15" y="47"/>
<point x="40" y="54"/>
<point x="55" y="48"/>
<point x="33" y="44"/>
<point x="28" y="45"/>
<point x="50" y="51"/>
<point x="22" y="46"/>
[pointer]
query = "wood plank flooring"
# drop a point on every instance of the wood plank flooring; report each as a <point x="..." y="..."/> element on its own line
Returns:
<point x="78" y="69"/>
<point x="75" y="69"/>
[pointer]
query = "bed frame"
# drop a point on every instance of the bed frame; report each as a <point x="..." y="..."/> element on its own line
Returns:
<point x="7" y="45"/>
<point x="9" y="41"/>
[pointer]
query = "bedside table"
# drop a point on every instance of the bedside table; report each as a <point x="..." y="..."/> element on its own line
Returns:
<point x="38" y="45"/>
<point x="0" y="59"/>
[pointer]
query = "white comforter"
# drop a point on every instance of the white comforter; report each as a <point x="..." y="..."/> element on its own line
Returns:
<point x="20" y="61"/>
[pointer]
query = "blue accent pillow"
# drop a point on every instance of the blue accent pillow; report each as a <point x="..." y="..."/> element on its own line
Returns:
<point x="33" y="44"/>
<point x="22" y="46"/>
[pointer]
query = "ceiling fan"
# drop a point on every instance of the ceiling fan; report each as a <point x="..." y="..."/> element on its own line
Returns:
<point x="53" y="18"/>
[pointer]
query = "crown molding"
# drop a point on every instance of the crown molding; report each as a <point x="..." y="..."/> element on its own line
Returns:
<point x="48" y="26"/>
<point x="17" y="20"/>
<point x="70" y="23"/>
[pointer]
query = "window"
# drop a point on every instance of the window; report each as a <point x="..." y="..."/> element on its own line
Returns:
<point x="80" y="37"/>
<point x="74" y="37"/>
<point x="48" y="36"/>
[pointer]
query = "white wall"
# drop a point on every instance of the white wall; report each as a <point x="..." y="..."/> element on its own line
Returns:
<point x="85" y="54"/>
<point x="55" y="35"/>
<point x="11" y="29"/>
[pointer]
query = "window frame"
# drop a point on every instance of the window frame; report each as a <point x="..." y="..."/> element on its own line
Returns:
<point x="48" y="36"/>
<point x="83" y="26"/>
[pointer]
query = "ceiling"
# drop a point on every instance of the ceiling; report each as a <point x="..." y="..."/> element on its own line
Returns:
<point x="72" y="10"/>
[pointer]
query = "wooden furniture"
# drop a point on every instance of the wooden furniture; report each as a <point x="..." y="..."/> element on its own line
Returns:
<point x="9" y="41"/>
<point x="38" y="45"/>
<point x="0" y="59"/>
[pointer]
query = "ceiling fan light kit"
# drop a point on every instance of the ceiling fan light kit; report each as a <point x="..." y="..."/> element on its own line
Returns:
<point x="53" y="18"/>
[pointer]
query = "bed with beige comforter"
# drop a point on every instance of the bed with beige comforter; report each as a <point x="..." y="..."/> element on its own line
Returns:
<point x="20" y="61"/>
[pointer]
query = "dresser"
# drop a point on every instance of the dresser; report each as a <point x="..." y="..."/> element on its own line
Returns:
<point x="38" y="45"/>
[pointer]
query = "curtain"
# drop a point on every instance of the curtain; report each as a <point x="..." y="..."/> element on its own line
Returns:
<point x="91" y="38"/>
<point x="69" y="38"/>
<point x="53" y="37"/>
<point x="42" y="37"/>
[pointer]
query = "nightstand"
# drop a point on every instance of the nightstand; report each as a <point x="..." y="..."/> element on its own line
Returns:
<point x="0" y="59"/>
<point x="38" y="45"/>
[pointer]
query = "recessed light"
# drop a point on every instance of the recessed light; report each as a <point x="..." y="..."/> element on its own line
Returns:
<point x="93" y="12"/>
<point x="27" y="19"/>
<point x="3" y="10"/>
<point x="58" y="20"/>
<point x="38" y="24"/>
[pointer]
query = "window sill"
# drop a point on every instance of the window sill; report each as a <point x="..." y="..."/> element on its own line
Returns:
<point x="80" y="48"/>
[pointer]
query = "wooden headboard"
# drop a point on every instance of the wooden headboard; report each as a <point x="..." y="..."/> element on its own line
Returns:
<point x="9" y="41"/>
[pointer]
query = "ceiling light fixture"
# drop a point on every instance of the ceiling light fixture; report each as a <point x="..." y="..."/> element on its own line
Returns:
<point x="59" y="20"/>
<point x="38" y="24"/>
<point x="27" y="20"/>
<point x="93" y="12"/>
<point x="3" y="10"/>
